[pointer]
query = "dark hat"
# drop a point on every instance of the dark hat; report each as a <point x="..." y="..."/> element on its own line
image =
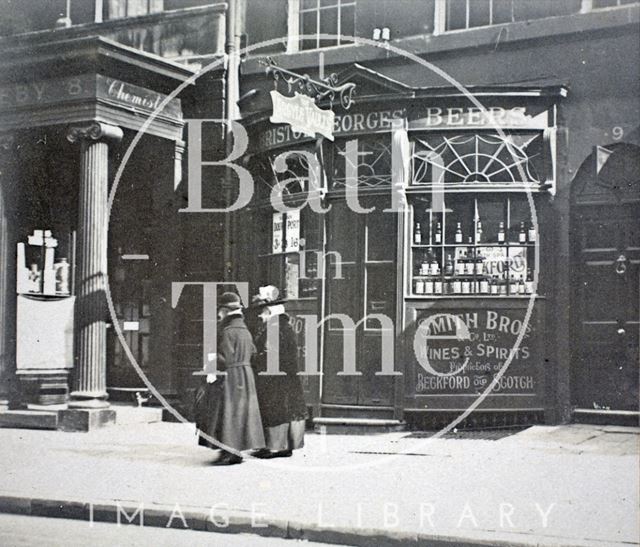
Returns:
<point x="230" y="300"/>
<point x="268" y="296"/>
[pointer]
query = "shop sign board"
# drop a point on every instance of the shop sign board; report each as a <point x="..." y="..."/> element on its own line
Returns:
<point x="435" y="117"/>
<point x="302" y="114"/>
<point x="81" y="87"/>
<point x="465" y="349"/>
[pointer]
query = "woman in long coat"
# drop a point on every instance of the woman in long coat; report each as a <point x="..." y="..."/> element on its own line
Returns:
<point x="281" y="397"/>
<point x="231" y="402"/>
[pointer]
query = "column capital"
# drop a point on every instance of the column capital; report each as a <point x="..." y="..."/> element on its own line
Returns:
<point x="94" y="131"/>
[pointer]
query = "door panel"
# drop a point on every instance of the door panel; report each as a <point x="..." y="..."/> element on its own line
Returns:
<point x="605" y="369"/>
<point x="366" y="244"/>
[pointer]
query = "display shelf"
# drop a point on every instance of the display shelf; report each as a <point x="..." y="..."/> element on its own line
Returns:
<point x="477" y="264"/>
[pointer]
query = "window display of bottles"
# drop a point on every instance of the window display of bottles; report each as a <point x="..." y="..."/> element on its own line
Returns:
<point x="449" y="256"/>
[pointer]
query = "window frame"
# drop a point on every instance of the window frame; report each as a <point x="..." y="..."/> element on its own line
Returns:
<point x="295" y="13"/>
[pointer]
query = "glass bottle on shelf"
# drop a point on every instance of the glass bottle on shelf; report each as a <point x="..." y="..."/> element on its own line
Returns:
<point x="532" y="233"/>
<point x="459" y="233"/>
<point x="448" y="268"/>
<point x="522" y="235"/>
<point x="434" y="267"/>
<point x="456" y="286"/>
<point x="483" y="285"/>
<point x="501" y="232"/>
<point x="470" y="262"/>
<point x="521" y="285"/>
<point x="428" y="286"/>
<point x="459" y="268"/>
<point x="419" y="286"/>
<point x="528" y="284"/>
<point x="437" y="286"/>
<point x="417" y="234"/>
<point x="424" y="265"/>
<point x="493" y="286"/>
<point x="437" y="238"/>
<point x="478" y="232"/>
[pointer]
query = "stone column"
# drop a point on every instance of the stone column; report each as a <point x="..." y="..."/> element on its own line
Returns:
<point x="8" y="186"/>
<point x="89" y="387"/>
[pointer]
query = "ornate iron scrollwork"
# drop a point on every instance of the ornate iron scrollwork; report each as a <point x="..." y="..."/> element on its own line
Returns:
<point x="319" y="90"/>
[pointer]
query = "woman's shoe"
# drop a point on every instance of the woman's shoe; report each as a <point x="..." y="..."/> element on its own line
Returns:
<point x="228" y="459"/>
<point x="262" y="453"/>
<point x="282" y="454"/>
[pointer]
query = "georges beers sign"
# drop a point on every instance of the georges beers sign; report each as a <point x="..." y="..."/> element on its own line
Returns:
<point x="302" y="114"/>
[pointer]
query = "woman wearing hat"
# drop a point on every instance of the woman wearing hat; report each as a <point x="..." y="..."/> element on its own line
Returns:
<point x="280" y="396"/>
<point x="235" y="417"/>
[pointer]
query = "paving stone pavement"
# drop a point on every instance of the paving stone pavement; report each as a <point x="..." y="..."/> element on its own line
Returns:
<point x="564" y="485"/>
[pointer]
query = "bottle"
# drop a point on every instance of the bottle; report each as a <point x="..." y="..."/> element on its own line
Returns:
<point x="460" y="264"/>
<point x="438" y="235"/>
<point x="459" y="233"/>
<point x="501" y="232"/>
<point x="419" y="286"/>
<point x="484" y="286"/>
<point x="417" y="235"/>
<point x="448" y="268"/>
<point x="522" y="236"/>
<point x="34" y="278"/>
<point x="521" y="286"/>
<point x="532" y="233"/>
<point x="62" y="276"/>
<point x="428" y="286"/>
<point x="434" y="267"/>
<point x="479" y="232"/>
<point x="437" y="286"/>
<point x="528" y="284"/>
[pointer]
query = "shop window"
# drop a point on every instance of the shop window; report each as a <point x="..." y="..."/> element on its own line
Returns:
<point x="367" y="159"/>
<point x="464" y="245"/>
<point x="312" y="18"/>
<point x="291" y="261"/>
<point x="466" y="14"/>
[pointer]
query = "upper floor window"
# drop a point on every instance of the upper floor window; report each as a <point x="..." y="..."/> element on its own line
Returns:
<point x="117" y="9"/>
<point x="313" y="18"/>
<point x="600" y="4"/>
<point x="454" y="15"/>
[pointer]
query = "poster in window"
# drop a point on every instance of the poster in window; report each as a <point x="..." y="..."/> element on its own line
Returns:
<point x="292" y="276"/>
<point x="276" y="245"/>
<point x="293" y="232"/>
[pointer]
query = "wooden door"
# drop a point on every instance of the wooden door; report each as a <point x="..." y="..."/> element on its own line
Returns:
<point x="366" y="244"/>
<point x="607" y="279"/>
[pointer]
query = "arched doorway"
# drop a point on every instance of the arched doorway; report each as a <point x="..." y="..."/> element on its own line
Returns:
<point x="605" y="231"/>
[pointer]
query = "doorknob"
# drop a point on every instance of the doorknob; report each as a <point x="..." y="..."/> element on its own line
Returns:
<point x="621" y="265"/>
<point x="621" y="331"/>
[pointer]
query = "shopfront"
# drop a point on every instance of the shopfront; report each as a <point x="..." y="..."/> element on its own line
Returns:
<point x="65" y="130"/>
<point x="432" y="252"/>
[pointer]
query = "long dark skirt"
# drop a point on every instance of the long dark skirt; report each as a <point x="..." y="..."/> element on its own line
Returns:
<point x="283" y="411"/>
<point x="232" y="412"/>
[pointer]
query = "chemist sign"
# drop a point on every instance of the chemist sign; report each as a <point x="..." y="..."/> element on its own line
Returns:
<point x="302" y="114"/>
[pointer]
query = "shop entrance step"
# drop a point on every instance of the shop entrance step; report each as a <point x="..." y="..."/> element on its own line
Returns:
<point x="606" y="417"/>
<point x="356" y="426"/>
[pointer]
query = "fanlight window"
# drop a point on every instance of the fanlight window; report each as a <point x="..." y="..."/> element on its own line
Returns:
<point x="487" y="160"/>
